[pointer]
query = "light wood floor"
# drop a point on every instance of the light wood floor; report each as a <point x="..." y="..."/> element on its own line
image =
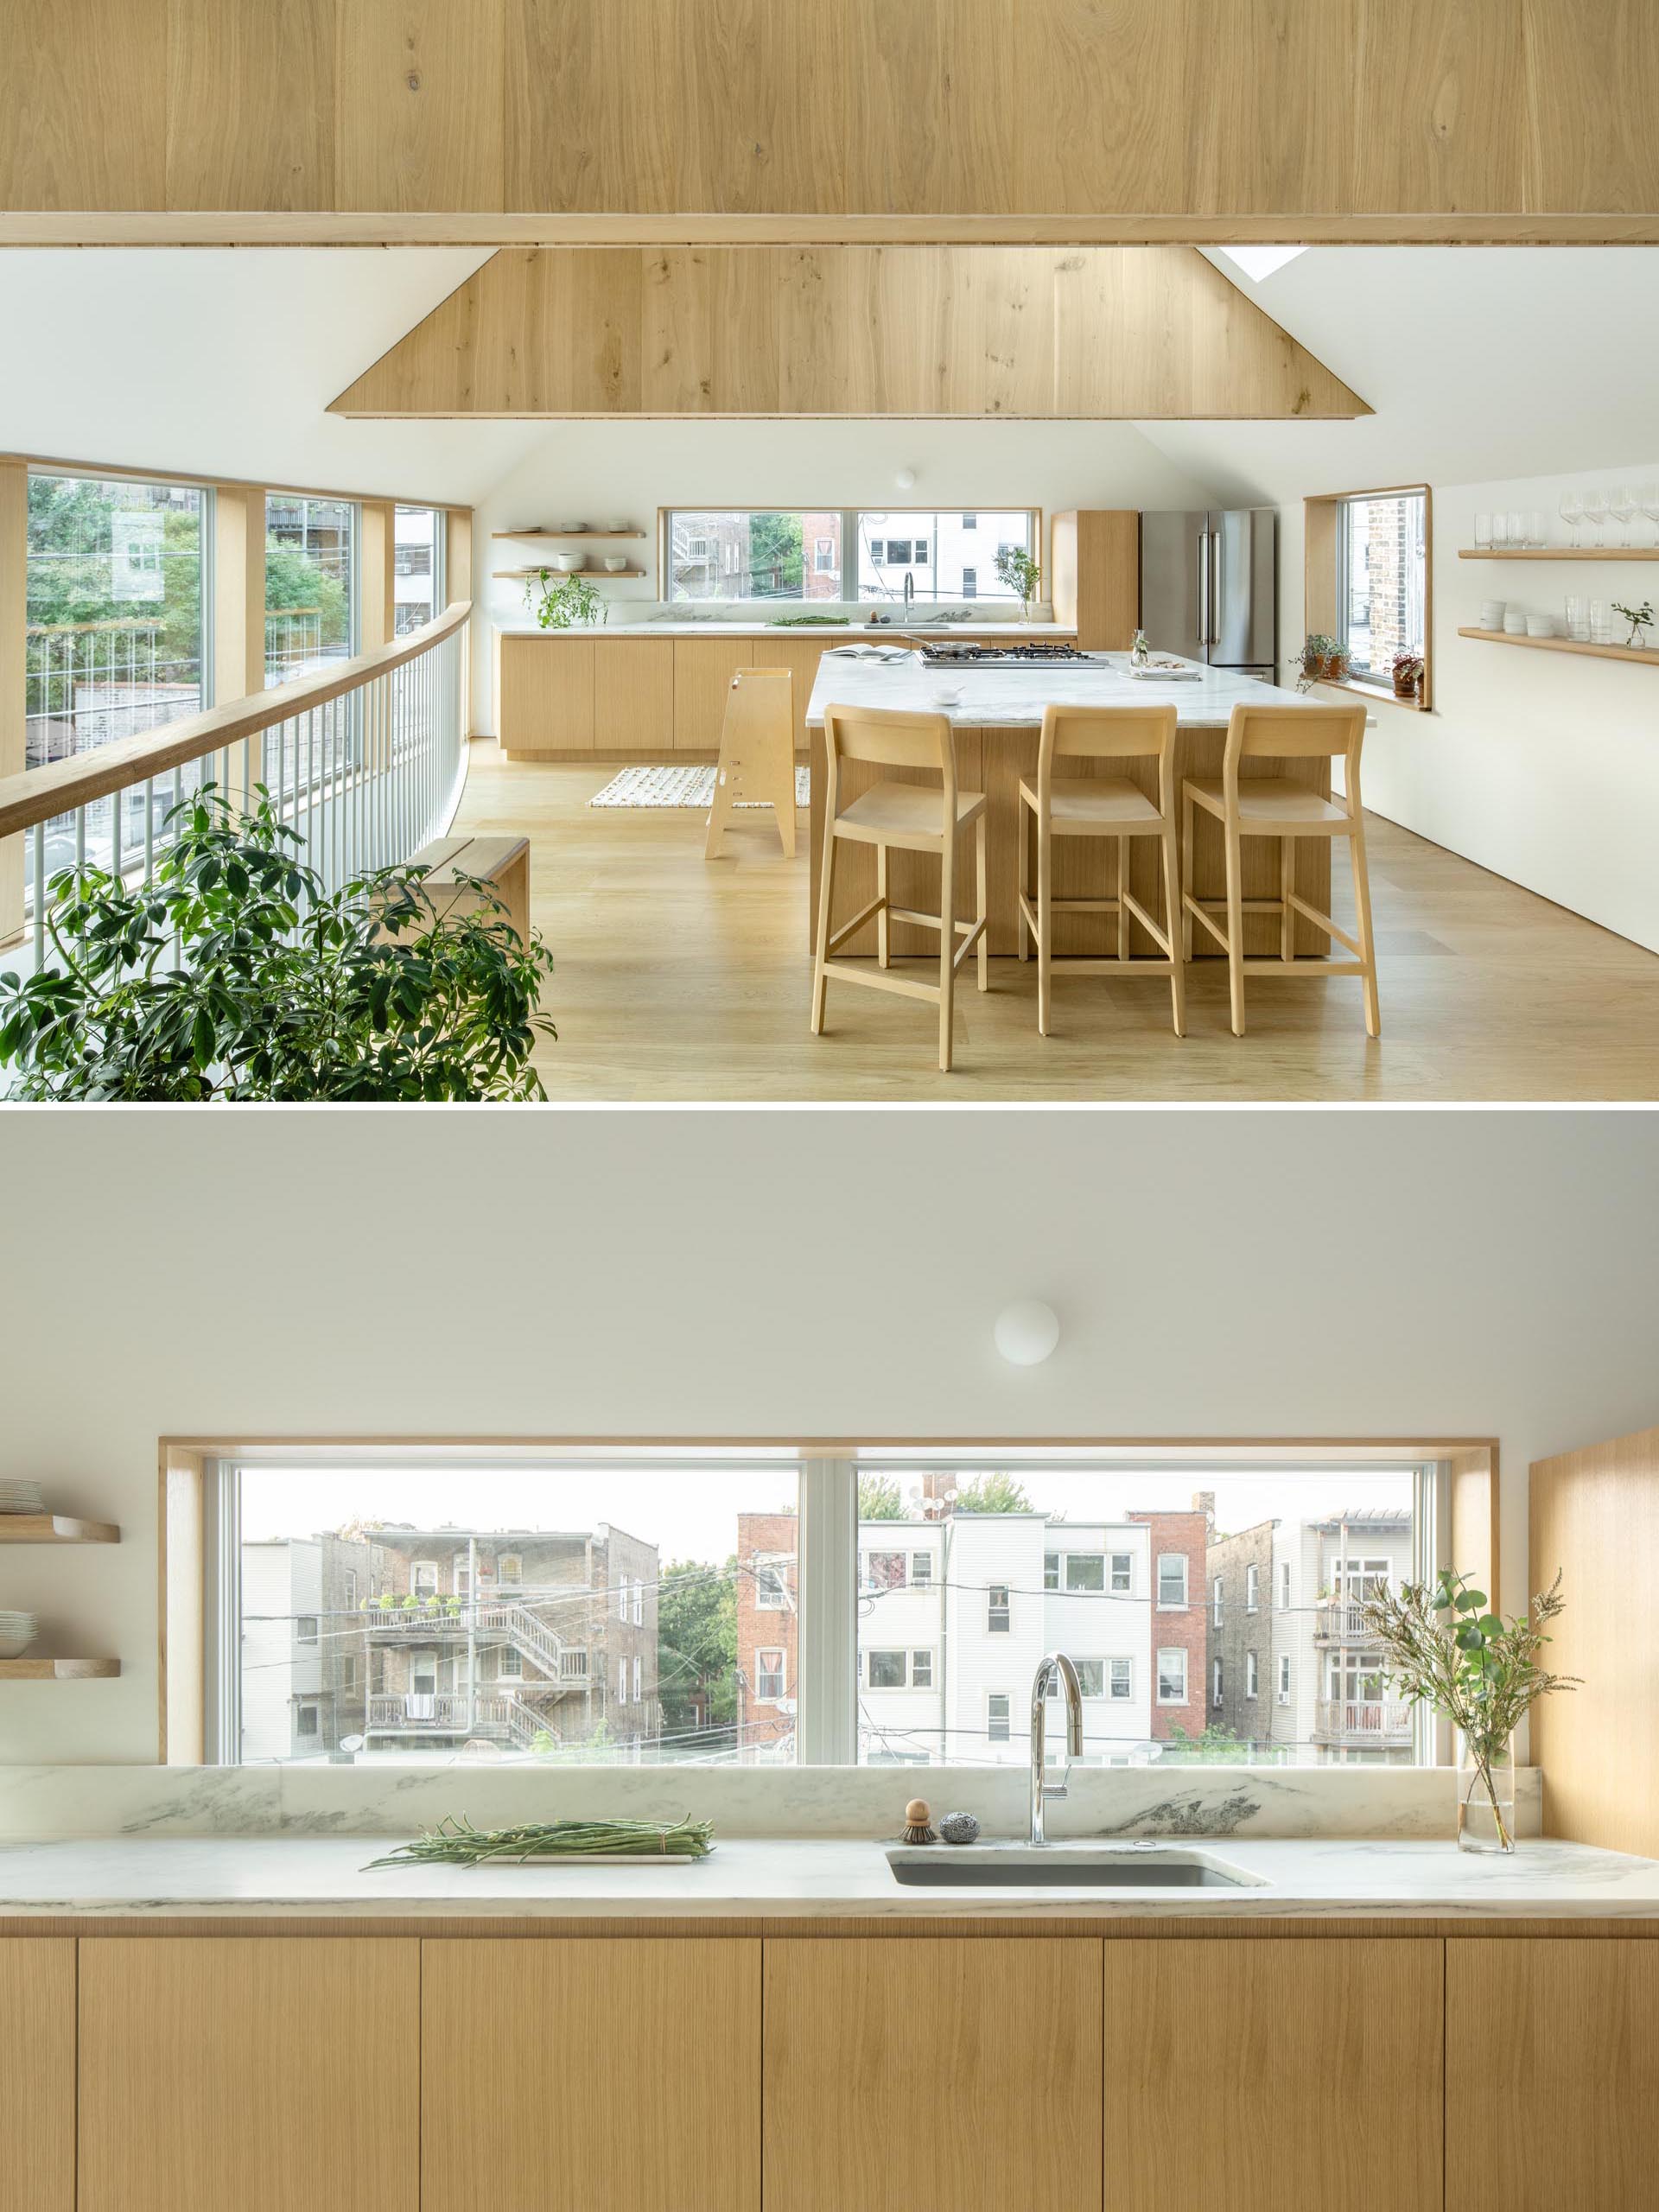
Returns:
<point x="682" y="979"/>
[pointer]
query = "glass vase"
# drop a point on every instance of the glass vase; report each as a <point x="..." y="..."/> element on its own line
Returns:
<point x="1486" y="1794"/>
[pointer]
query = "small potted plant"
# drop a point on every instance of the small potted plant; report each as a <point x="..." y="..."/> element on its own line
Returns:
<point x="1017" y="570"/>
<point x="1638" y="617"/>
<point x="1322" y="661"/>
<point x="1408" y="675"/>
<point x="1441" y="1647"/>
<point x="571" y="603"/>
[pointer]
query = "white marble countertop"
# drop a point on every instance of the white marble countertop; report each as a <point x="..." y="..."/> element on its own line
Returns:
<point x="802" y="632"/>
<point x="292" y="1878"/>
<point x="1014" y="697"/>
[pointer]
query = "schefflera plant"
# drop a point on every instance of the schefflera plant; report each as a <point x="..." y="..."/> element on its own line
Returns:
<point x="1442" y="1646"/>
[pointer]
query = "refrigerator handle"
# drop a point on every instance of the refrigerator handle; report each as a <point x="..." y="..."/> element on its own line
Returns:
<point x="1204" y="587"/>
<point x="1214" y="635"/>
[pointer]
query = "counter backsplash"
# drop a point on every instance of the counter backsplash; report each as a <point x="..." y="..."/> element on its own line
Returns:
<point x="1346" y="1802"/>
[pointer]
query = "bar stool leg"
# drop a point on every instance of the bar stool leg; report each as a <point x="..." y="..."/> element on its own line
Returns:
<point x="1045" y="924"/>
<point x="1123" y="909"/>
<point x="826" y="887"/>
<point x="1025" y="871"/>
<point x="1187" y="876"/>
<point x="1174" y="912"/>
<point x="947" y="951"/>
<point x="883" y="958"/>
<point x="1363" y="931"/>
<point x="1287" y="884"/>
<point x="1236" y="925"/>
<point x="982" y="885"/>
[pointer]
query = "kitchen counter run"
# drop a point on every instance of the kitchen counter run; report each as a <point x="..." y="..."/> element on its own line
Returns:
<point x="800" y="634"/>
<point x="278" y="1878"/>
<point x="1014" y="697"/>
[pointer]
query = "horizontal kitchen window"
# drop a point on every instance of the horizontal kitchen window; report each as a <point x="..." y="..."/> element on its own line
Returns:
<point x="842" y="555"/>
<point x="770" y="1607"/>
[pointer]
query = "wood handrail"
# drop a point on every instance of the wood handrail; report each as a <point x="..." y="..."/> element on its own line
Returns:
<point x="41" y="794"/>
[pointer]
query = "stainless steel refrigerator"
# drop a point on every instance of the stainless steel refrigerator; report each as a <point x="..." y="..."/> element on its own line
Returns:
<point x="1210" y="587"/>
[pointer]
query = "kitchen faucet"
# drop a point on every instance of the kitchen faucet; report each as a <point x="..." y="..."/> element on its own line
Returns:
<point x="1055" y="1665"/>
<point x="910" y="589"/>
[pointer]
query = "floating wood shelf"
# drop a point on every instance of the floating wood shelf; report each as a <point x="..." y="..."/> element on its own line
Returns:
<point x="58" y="1670"/>
<point x="1559" y="553"/>
<point x="541" y="530"/>
<point x="591" y="576"/>
<point x="1650" y="654"/>
<point x="55" y="1528"/>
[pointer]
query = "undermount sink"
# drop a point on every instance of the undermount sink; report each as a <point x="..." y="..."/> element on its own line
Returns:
<point x="1017" y="1866"/>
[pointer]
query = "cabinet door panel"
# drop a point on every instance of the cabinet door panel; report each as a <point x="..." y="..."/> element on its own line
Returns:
<point x="802" y="662"/>
<point x="266" y="2073"/>
<point x="1270" y="2073"/>
<point x="633" y="693"/>
<point x="591" y="2075"/>
<point x="1552" y="2079"/>
<point x="703" y="668"/>
<point x="547" y="695"/>
<point x="910" y="2073"/>
<point x="37" y="2080"/>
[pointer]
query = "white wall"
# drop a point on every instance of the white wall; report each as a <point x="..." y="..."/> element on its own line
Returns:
<point x="633" y="1274"/>
<point x="603" y="472"/>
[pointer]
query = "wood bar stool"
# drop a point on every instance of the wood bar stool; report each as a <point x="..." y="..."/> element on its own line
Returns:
<point x="905" y="818"/>
<point x="1275" y="806"/>
<point x="757" y="755"/>
<point x="1101" y="806"/>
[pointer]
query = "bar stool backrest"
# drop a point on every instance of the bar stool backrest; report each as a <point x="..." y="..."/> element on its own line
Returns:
<point x="888" y="737"/>
<point x="1312" y="732"/>
<point x="1107" y="734"/>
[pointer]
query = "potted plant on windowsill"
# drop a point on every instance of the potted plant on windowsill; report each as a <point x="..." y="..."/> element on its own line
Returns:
<point x="1322" y="661"/>
<point x="1409" y="676"/>
<point x="571" y="603"/>
<point x="1442" y="1647"/>
<point x="1019" y="574"/>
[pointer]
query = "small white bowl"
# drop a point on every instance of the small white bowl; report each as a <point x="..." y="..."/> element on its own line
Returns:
<point x="1492" y="615"/>
<point x="1542" y="626"/>
<point x="616" y="562"/>
<point x="1515" y="622"/>
<point x="13" y="1641"/>
<point x="569" y="564"/>
<point x="573" y="529"/>
<point x="947" y="695"/>
<point x="622" y="529"/>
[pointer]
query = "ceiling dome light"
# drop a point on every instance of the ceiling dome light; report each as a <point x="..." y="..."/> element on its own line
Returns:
<point x="1027" y="1332"/>
<point x="905" y="479"/>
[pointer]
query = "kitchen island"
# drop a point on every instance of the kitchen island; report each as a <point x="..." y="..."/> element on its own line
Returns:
<point x="996" y="725"/>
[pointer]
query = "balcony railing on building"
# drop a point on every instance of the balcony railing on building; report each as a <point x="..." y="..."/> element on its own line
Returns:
<point x="1341" y="1620"/>
<point x="497" y="1716"/>
<point x="1383" y="1723"/>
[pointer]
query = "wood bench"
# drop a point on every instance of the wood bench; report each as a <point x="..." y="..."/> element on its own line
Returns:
<point x="502" y="861"/>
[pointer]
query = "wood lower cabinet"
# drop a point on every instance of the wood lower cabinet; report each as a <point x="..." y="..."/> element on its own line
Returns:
<point x="633" y="693"/>
<point x="703" y="669"/>
<point x="268" y="2074"/>
<point x="1552" y="2074"/>
<point x="802" y="662"/>
<point x="37" y="2076"/>
<point x="602" y="2075"/>
<point x="902" y="2076"/>
<point x="547" y="688"/>
<point x="1263" y="2076"/>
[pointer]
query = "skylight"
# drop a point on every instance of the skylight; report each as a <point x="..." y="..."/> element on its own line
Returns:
<point x="1260" y="261"/>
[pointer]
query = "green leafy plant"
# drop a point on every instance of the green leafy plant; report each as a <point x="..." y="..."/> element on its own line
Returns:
<point x="411" y="1604"/>
<point x="992" y="1493"/>
<point x="879" y="1498"/>
<point x="1017" y="570"/>
<point x="1442" y="1647"/>
<point x="456" y="1842"/>
<point x="1213" y="1745"/>
<point x="1322" y="661"/>
<point x="573" y="603"/>
<point x="235" y="974"/>
<point x="1407" y="671"/>
<point x="1638" y="617"/>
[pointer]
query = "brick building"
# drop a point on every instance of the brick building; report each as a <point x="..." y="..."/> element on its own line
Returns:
<point x="768" y="1619"/>
<point x="1179" y="1621"/>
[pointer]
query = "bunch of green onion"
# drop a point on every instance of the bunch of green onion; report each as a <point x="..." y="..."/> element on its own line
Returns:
<point x="456" y="1842"/>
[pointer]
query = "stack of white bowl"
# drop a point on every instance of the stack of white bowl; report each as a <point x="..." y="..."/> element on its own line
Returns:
<point x="19" y="1497"/>
<point x="16" y="1634"/>
<point x="1492" y="615"/>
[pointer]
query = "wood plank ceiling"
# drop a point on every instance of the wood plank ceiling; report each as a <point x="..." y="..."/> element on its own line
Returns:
<point x="1058" y="120"/>
<point x="1091" y="331"/>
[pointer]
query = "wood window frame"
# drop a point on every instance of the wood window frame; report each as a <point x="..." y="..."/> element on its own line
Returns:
<point x="1320" y="584"/>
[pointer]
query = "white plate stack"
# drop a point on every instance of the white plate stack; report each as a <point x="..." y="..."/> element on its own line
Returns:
<point x="16" y="1634"/>
<point x="19" y="1497"/>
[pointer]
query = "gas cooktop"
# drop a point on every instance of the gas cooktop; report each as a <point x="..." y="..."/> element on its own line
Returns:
<point x="1030" y="652"/>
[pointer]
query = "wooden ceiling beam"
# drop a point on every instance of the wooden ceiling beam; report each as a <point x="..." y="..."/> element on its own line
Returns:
<point x="1138" y="333"/>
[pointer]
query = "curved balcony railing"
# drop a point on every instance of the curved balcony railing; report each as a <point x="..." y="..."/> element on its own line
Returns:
<point x="365" y="761"/>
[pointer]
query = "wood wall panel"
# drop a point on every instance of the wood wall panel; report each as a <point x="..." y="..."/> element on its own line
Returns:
<point x="250" y="115"/>
<point x="83" y="103"/>
<point x="929" y="120"/>
<point x="1592" y="95"/>
<point x="1594" y="1513"/>
<point x="421" y="104"/>
<point x="1033" y="331"/>
<point x="592" y="104"/>
<point x="37" y="2081"/>
<point x="1105" y="78"/>
<point x="1430" y="87"/>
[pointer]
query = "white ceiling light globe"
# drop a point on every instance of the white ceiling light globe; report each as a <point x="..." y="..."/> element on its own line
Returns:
<point x="905" y="479"/>
<point x="1027" y="1332"/>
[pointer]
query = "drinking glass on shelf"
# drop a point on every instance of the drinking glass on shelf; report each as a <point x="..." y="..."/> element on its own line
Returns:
<point x="1578" y="620"/>
<point x="1601" y="623"/>
<point x="1483" y="533"/>
<point x="1647" y="499"/>
<point x="1500" y="531"/>
<point x="1621" y="506"/>
<point x="1536" y="533"/>
<point x="1595" y="510"/>
<point x="1572" y="512"/>
<point x="1517" y="528"/>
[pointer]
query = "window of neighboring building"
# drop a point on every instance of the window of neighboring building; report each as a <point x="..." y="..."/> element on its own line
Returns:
<point x="350" y="1591"/>
<point x="305" y="1628"/>
<point x="424" y="1578"/>
<point x="998" y="1616"/>
<point x="639" y="1606"/>
<point x="417" y="567"/>
<point x="639" y="1674"/>
<point x="771" y="1589"/>
<point x="1215" y="1683"/>
<point x="1284" y="1678"/>
<point x="1284" y="1587"/>
<point x="1172" y="1579"/>
<point x="856" y="554"/>
<point x="460" y="1576"/>
<point x="1368" y="563"/>
<point x="970" y="583"/>
<point x="1051" y="1570"/>
<point x="512" y="1667"/>
<point x="1086" y="1571"/>
<point x="1171" y="1676"/>
<point x="1250" y="1677"/>
<point x="884" y="1670"/>
<point x="1122" y="1574"/>
<point x="311" y="609"/>
<point x="921" y="1570"/>
<point x="348" y="1676"/>
<point x="1091" y="1676"/>
<point x="510" y="1570"/>
<point x="1215" y="1602"/>
<point x="769" y="1676"/>
<point x="884" y="1570"/>
<point x="921" y="1670"/>
<point x="1250" y="1585"/>
<point x="996" y="1716"/>
<point x="1123" y="1678"/>
<point x="306" y="1721"/>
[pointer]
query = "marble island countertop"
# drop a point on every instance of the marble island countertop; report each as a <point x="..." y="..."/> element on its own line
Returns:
<point x="803" y="632"/>
<point x="297" y="1878"/>
<point x="1011" y="696"/>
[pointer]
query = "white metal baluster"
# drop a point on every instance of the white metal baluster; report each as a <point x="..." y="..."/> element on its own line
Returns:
<point x="40" y="892"/>
<point x="150" y="829"/>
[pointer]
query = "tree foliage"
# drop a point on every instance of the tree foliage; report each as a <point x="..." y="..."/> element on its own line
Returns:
<point x="879" y="1498"/>
<point x="992" y="1493"/>
<point x="235" y="974"/>
<point x="696" y="1643"/>
<point x="1213" y="1745"/>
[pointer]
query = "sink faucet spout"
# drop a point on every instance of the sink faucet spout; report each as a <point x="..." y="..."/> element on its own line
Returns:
<point x="1055" y="1667"/>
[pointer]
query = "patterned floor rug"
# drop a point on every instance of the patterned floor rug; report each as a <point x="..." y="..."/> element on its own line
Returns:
<point x="692" y="787"/>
